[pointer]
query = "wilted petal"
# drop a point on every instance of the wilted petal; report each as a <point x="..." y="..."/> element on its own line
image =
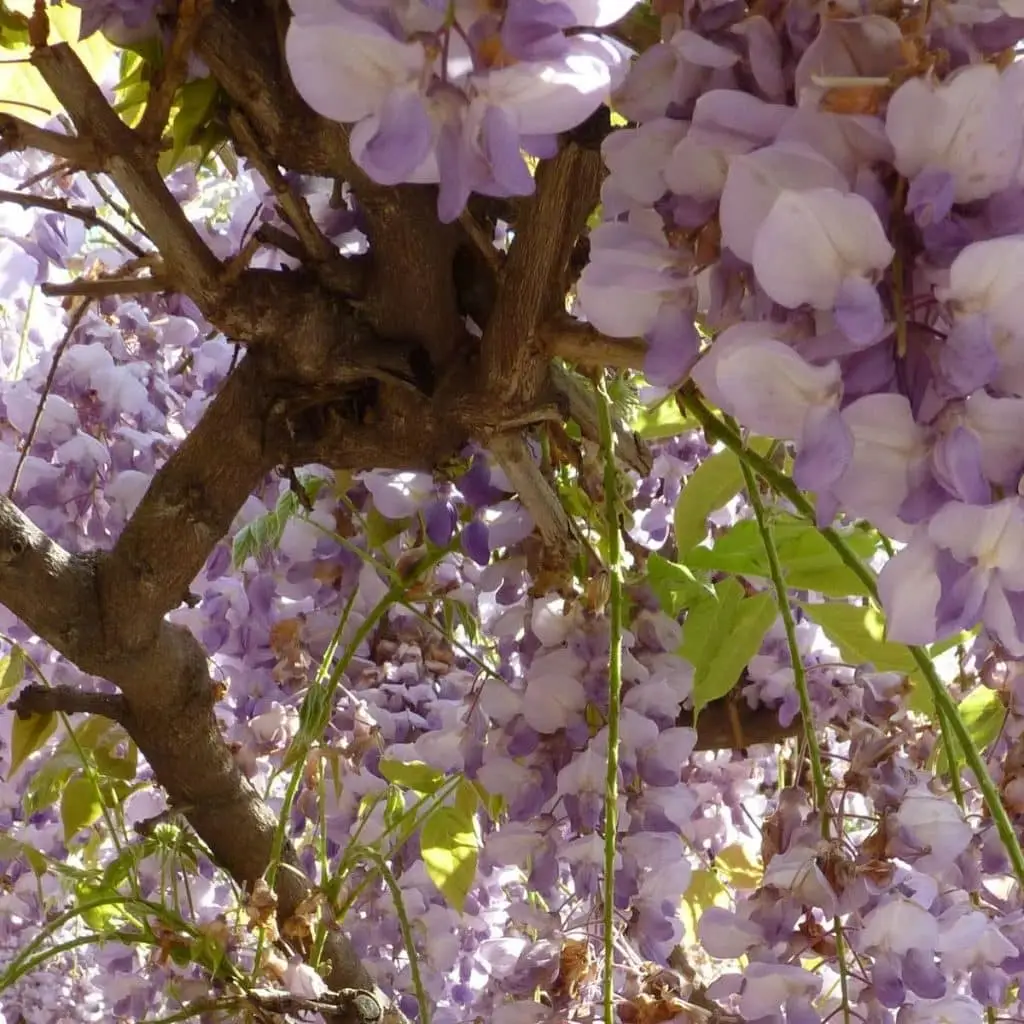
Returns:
<point x="849" y="48"/>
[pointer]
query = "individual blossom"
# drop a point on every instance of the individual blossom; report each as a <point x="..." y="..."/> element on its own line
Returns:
<point x="433" y="101"/>
<point x="986" y="297"/>
<point x="835" y="248"/>
<point x="773" y="391"/>
<point x="965" y="565"/>
<point x="967" y="126"/>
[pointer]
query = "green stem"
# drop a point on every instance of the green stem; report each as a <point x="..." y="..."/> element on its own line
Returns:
<point x="406" y="927"/>
<point x="950" y="722"/>
<point x="611" y="790"/>
<point x="799" y="675"/>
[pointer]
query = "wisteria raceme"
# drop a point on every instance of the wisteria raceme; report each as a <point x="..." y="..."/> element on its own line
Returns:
<point x="815" y="217"/>
<point x="455" y="93"/>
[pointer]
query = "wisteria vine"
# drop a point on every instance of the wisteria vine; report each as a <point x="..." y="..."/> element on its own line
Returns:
<point x="806" y="503"/>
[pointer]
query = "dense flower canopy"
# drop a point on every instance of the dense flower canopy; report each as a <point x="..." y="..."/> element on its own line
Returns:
<point x="813" y="216"/>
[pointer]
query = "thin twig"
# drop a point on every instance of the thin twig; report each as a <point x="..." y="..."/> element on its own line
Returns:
<point x="580" y="343"/>
<point x="86" y="214"/>
<point x="171" y="75"/>
<point x="293" y="207"/>
<point x="76" y="319"/>
<point x="278" y="238"/>
<point x="118" y="207"/>
<point x="16" y="134"/>
<point x="107" y="286"/>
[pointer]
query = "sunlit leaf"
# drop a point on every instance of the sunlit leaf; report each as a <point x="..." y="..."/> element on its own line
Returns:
<point x="676" y="586"/>
<point x="735" y="864"/>
<point x="450" y="846"/>
<point x="720" y="636"/>
<point x="660" y="421"/>
<point x="706" y="890"/>
<point x="716" y="481"/>
<point x="808" y="561"/>
<point x="983" y="713"/>
<point x="46" y="783"/>
<point x="22" y="89"/>
<point x="13" y="849"/>
<point x="80" y="806"/>
<point x="195" y="103"/>
<point x="12" y="671"/>
<point x="28" y="735"/>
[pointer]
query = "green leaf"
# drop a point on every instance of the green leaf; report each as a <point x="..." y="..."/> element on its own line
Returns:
<point x="243" y="546"/>
<point x="22" y="89"/>
<point x="706" y="890"/>
<point x="859" y="633"/>
<point x="676" y="586"/>
<point x="13" y="28"/>
<point x="132" y="91"/>
<point x="660" y="421"/>
<point x="28" y="735"/>
<point x="13" y="849"/>
<point x="44" y="788"/>
<point x="414" y="775"/>
<point x="716" y="481"/>
<point x="734" y="864"/>
<point x="196" y="100"/>
<point x="808" y="561"/>
<point x="720" y="637"/>
<point x="394" y="808"/>
<point x="12" y="671"/>
<point x="984" y="713"/>
<point x="467" y="800"/>
<point x="380" y="530"/>
<point x="80" y="806"/>
<point x="450" y="846"/>
<point x="114" y="766"/>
